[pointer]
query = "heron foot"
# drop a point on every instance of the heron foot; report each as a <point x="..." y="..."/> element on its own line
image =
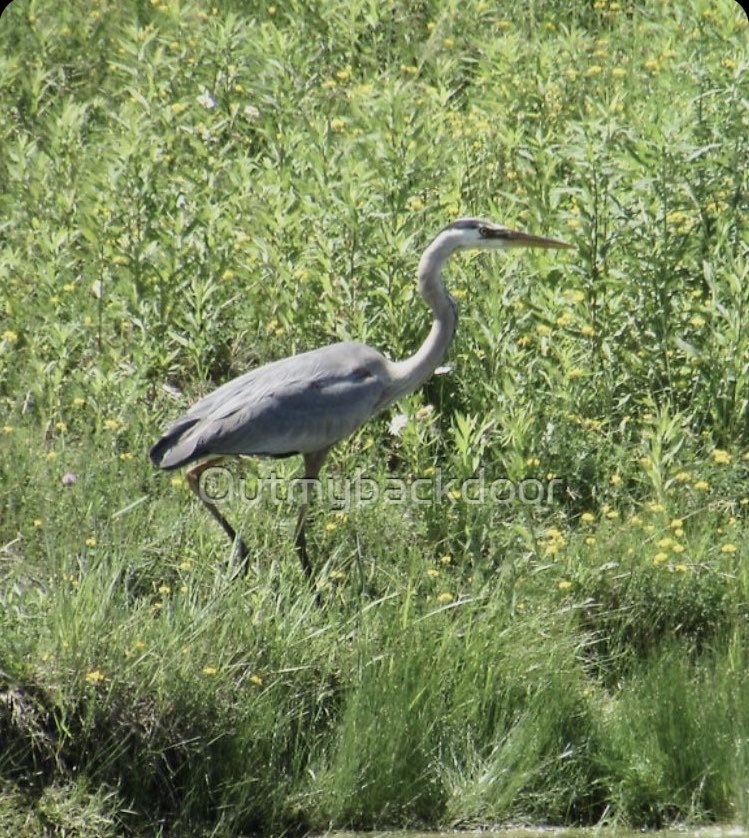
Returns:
<point x="240" y="557"/>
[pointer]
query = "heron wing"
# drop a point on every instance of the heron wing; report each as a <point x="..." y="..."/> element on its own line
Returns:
<point x="297" y="405"/>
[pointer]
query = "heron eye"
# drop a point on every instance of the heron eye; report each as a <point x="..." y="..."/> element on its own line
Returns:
<point x="484" y="232"/>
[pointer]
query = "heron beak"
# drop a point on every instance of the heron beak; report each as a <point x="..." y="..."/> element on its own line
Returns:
<point x="515" y="238"/>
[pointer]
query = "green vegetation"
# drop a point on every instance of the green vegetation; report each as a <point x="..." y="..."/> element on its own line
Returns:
<point x="191" y="189"/>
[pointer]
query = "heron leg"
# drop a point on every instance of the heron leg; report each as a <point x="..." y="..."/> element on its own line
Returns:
<point x="312" y="465"/>
<point x="193" y="481"/>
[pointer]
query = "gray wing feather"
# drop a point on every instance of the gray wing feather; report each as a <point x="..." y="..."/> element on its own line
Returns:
<point x="297" y="405"/>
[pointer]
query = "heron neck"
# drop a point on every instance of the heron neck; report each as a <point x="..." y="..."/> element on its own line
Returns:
<point x="411" y="373"/>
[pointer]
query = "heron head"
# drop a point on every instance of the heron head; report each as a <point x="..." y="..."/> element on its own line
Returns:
<point x="475" y="233"/>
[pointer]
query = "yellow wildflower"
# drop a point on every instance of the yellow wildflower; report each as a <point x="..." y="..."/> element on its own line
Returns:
<point x="588" y="517"/>
<point x="95" y="676"/>
<point x="728" y="548"/>
<point x="256" y="679"/>
<point x="702" y="485"/>
<point x="209" y="670"/>
<point x="721" y="457"/>
<point x="679" y="220"/>
<point x="564" y="585"/>
<point x="9" y="336"/>
<point x="445" y="597"/>
<point x="659" y="558"/>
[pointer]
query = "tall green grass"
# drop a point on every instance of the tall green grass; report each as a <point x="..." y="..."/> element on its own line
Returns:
<point x="190" y="190"/>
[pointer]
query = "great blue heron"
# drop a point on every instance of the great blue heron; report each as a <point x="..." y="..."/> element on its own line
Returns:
<point x="306" y="403"/>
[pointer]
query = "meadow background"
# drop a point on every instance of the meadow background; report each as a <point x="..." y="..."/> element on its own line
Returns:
<point x="191" y="189"/>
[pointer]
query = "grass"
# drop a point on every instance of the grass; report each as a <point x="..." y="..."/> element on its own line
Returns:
<point x="190" y="190"/>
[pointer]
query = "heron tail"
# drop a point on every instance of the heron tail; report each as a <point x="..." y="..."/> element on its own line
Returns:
<point x="175" y="448"/>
